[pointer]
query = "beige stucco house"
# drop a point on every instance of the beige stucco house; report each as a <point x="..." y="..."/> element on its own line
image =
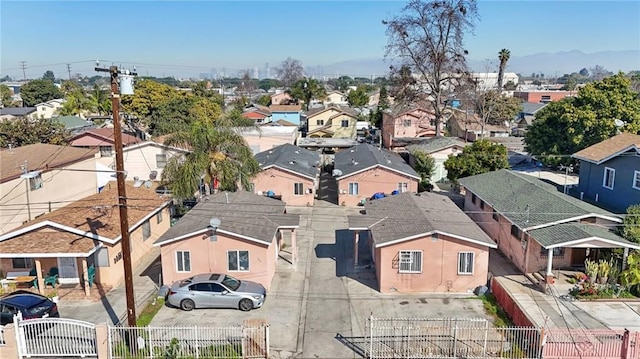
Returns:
<point x="406" y="122"/>
<point x="246" y="244"/>
<point x="288" y="172"/>
<point x="280" y="98"/>
<point x="266" y="137"/>
<point x="364" y="170"/>
<point x="332" y="122"/>
<point x="50" y="108"/>
<point x="336" y="98"/>
<point x="39" y="178"/>
<point x="84" y="234"/>
<point x="440" y="148"/>
<point x="422" y="243"/>
<point x="537" y="227"/>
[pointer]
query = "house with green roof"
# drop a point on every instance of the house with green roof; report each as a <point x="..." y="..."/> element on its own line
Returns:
<point x="536" y="226"/>
<point x="74" y="124"/>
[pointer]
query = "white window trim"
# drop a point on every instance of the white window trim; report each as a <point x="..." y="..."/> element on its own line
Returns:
<point x="238" y="258"/>
<point x="349" y="186"/>
<point x="183" y="271"/>
<point x="294" y="189"/>
<point x="604" y="178"/>
<point x="473" y="263"/>
<point x="636" y="175"/>
<point x="400" y="270"/>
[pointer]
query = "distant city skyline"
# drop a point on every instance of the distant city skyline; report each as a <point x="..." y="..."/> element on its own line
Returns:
<point x="189" y="39"/>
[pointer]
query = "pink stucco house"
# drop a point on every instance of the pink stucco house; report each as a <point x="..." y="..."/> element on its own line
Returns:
<point x="402" y="121"/>
<point x="422" y="242"/>
<point x="289" y="172"/>
<point x="246" y="244"/>
<point x="536" y="226"/>
<point x="363" y="170"/>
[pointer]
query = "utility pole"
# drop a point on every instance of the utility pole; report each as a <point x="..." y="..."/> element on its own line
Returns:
<point x="69" y="70"/>
<point x="122" y="195"/>
<point x="23" y="65"/>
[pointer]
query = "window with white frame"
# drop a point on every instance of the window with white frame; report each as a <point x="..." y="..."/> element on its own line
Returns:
<point x="410" y="262"/>
<point x="36" y="182"/>
<point x="161" y="160"/>
<point x="146" y="230"/>
<point x="609" y="177"/>
<point x="22" y="263"/>
<point x="353" y="189"/>
<point x="183" y="261"/>
<point x="403" y="187"/>
<point x="465" y="262"/>
<point x="106" y="151"/>
<point x="298" y="189"/>
<point x="636" y="179"/>
<point x="238" y="261"/>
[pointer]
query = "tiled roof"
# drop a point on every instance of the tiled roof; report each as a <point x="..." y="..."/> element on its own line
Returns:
<point x="569" y="232"/>
<point x="17" y="111"/>
<point x="611" y="147"/>
<point x="528" y="201"/>
<point x="291" y="158"/>
<point x="363" y="156"/>
<point x="242" y="213"/>
<point x="39" y="157"/>
<point x="285" y="108"/>
<point x="435" y="144"/>
<point x="107" y="135"/>
<point x="97" y="215"/>
<point x="408" y="215"/>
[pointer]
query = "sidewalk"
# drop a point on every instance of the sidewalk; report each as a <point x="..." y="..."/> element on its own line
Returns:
<point x="113" y="308"/>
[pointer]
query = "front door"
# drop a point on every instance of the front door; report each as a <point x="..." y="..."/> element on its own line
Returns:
<point x="578" y="255"/>
<point x="68" y="271"/>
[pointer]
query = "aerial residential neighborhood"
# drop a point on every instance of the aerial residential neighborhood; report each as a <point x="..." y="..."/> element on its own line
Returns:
<point x="420" y="179"/>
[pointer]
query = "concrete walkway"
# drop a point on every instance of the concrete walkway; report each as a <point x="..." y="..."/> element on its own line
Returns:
<point x="112" y="309"/>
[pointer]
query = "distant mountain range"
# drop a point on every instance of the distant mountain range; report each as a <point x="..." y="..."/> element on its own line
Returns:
<point x="551" y="64"/>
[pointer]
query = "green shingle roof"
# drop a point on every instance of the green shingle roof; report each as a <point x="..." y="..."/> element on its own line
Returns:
<point x="528" y="201"/>
<point x="554" y="236"/>
<point x="70" y="122"/>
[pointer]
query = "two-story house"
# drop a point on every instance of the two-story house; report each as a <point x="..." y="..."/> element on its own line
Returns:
<point x="402" y="121"/>
<point x="332" y="121"/>
<point x="50" y="108"/>
<point x="610" y="172"/>
<point x="336" y="98"/>
<point x="258" y="113"/>
<point x="39" y="178"/>
<point x="289" y="113"/>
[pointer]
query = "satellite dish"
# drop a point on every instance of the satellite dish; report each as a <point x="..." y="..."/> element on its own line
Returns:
<point x="148" y="184"/>
<point x="215" y="222"/>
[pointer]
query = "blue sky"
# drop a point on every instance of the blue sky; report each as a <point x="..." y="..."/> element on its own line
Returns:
<point x="187" y="37"/>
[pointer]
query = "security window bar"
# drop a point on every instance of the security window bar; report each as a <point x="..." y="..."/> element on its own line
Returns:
<point x="410" y="261"/>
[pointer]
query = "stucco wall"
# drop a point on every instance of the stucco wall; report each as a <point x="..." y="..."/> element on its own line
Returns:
<point x="262" y="143"/>
<point x="374" y="180"/>
<point x="336" y="124"/>
<point x="282" y="183"/>
<point x="60" y="187"/>
<point x="211" y="257"/>
<point x="420" y="126"/>
<point x="439" y="266"/>
<point x="139" y="161"/>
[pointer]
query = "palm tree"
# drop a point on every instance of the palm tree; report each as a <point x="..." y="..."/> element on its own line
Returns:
<point x="308" y="89"/>
<point x="98" y="101"/>
<point x="503" y="56"/>
<point x="217" y="154"/>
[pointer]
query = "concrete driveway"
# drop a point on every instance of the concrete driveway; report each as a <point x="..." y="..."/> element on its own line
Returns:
<point x="319" y="308"/>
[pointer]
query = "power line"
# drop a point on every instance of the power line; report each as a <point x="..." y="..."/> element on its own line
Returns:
<point x="23" y="65"/>
<point x="69" y="70"/>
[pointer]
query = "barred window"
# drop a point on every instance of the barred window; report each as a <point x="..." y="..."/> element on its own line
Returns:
<point x="410" y="261"/>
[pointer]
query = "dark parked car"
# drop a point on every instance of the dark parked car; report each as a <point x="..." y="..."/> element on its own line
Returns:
<point x="213" y="290"/>
<point x="31" y="305"/>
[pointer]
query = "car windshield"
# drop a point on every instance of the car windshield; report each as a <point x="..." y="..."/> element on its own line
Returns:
<point x="39" y="309"/>
<point x="231" y="282"/>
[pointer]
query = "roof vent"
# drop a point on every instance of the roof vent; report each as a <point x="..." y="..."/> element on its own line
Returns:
<point x="292" y="162"/>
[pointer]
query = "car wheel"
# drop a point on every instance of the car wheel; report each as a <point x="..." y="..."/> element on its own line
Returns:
<point x="187" y="304"/>
<point x="245" y="305"/>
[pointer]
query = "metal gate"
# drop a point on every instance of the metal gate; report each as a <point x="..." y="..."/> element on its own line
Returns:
<point x="55" y="337"/>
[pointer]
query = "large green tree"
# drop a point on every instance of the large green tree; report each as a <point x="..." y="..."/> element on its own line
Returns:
<point x="307" y="89"/>
<point x="482" y="156"/>
<point x="495" y="108"/>
<point x="217" y="154"/>
<point x="631" y="228"/>
<point x="179" y="113"/>
<point x="148" y="94"/>
<point x="425" y="165"/>
<point x="37" y="91"/>
<point x="565" y="127"/>
<point x="48" y="75"/>
<point x="358" y="97"/>
<point x="5" y="95"/>
<point x="25" y="131"/>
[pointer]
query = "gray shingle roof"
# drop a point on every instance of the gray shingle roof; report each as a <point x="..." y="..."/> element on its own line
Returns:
<point x="435" y="144"/>
<point x="532" y="107"/>
<point x="291" y="158"/>
<point x="528" y="201"/>
<point x="568" y="232"/>
<point x="408" y="215"/>
<point x="363" y="156"/>
<point x="245" y="213"/>
<point x="17" y="111"/>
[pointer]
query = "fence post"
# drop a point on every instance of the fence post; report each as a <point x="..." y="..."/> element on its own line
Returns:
<point x="455" y="338"/>
<point x="195" y="339"/>
<point x="626" y="342"/>
<point x="266" y="340"/>
<point x="20" y="340"/>
<point x="371" y="336"/>
<point x="543" y="342"/>
<point x="150" y="341"/>
<point x="245" y="342"/>
<point x="486" y="333"/>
